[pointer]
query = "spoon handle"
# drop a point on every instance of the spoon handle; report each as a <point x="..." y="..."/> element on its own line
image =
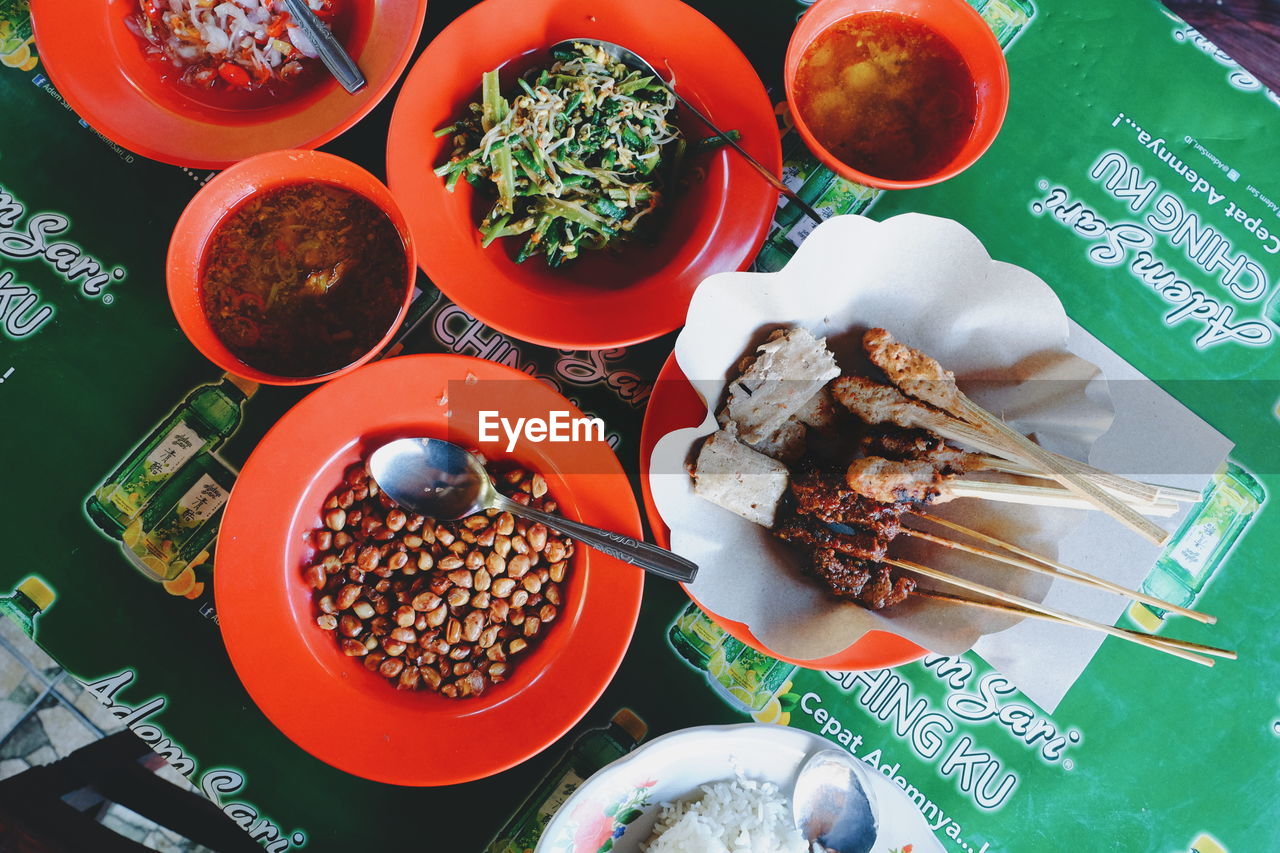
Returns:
<point x="337" y="60"/>
<point x="773" y="179"/>
<point x="651" y="558"/>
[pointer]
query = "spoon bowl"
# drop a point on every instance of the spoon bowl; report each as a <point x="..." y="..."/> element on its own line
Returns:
<point x="831" y="805"/>
<point x="432" y="477"/>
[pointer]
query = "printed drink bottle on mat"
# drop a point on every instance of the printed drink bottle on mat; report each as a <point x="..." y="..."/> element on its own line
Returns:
<point x="591" y="751"/>
<point x="1202" y="542"/>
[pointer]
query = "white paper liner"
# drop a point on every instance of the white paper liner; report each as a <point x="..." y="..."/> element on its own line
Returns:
<point x="931" y="283"/>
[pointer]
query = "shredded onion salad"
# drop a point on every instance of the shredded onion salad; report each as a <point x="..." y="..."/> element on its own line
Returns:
<point x="577" y="158"/>
<point x="239" y="44"/>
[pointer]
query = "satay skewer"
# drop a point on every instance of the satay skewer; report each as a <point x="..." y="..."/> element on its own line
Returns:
<point x="1043" y="569"/>
<point x="877" y="403"/>
<point x="1079" y="621"/>
<point x="922" y="481"/>
<point x="1070" y="570"/>
<point x="1022" y="611"/>
<point x="923" y="378"/>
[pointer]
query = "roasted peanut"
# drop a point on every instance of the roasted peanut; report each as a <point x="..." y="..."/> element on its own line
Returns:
<point x="518" y="566"/>
<point x="409" y="678"/>
<point x="391" y="667"/>
<point x="335" y="519"/>
<point x="354" y="648"/>
<point x="437" y="616"/>
<point x="498" y="610"/>
<point x="315" y="575"/>
<point x="327" y="621"/>
<point x="348" y="594"/>
<point x="425" y="601"/>
<point x="473" y="625"/>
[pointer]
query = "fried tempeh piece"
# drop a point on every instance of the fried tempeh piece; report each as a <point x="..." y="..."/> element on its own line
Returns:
<point x="914" y="372"/>
<point x="893" y="442"/>
<point x="877" y="403"/>
<point x="892" y="481"/>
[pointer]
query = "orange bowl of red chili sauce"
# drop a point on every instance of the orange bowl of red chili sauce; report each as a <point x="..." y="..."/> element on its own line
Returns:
<point x="896" y="94"/>
<point x="291" y="268"/>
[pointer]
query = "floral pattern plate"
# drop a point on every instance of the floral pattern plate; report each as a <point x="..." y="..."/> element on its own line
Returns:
<point x="614" y="811"/>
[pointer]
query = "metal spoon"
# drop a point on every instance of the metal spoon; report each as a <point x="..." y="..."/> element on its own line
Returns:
<point x="831" y="806"/>
<point x="339" y="63"/>
<point x="636" y="61"/>
<point x="439" y="479"/>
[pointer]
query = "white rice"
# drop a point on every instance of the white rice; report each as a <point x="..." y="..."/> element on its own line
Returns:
<point x="736" y="816"/>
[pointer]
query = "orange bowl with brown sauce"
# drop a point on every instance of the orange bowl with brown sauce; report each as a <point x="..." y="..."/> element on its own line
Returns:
<point x="896" y="94"/>
<point x="291" y="268"/>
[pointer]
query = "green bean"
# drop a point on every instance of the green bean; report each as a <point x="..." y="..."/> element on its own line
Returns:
<point x="577" y="165"/>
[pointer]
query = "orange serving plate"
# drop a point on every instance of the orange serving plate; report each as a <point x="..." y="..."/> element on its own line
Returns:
<point x="327" y="703"/>
<point x="715" y="223"/>
<point x="676" y="405"/>
<point x="100" y="67"/>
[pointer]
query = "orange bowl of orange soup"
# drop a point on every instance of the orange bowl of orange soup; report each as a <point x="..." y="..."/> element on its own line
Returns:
<point x="896" y="93"/>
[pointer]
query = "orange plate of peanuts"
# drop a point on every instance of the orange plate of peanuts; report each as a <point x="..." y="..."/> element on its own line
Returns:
<point x="401" y="649"/>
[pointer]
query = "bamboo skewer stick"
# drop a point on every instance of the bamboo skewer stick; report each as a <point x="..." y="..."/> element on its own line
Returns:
<point x="1038" y="568"/>
<point x="1044" y="496"/>
<point x="1022" y="469"/>
<point x="1009" y="608"/>
<point x="955" y="429"/>
<point x="1064" y="475"/>
<point x="1008" y="598"/>
<point x="1064" y="568"/>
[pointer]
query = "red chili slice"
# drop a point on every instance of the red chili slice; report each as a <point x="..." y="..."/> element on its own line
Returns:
<point x="234" y="74"/>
